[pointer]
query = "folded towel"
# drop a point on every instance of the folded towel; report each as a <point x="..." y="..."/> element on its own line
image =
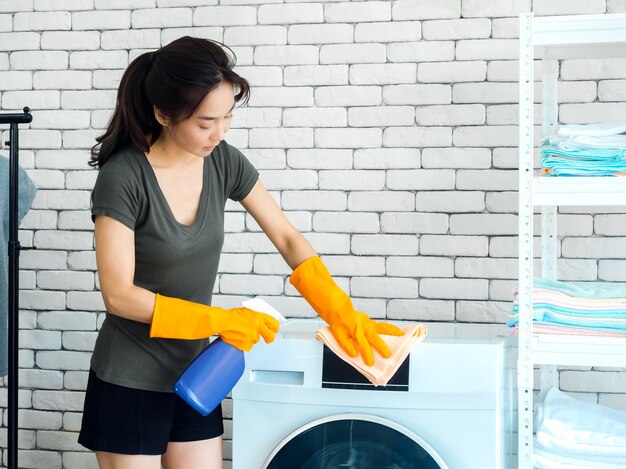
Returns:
<point x="571" y="165"/>
<point x="563" y="445"/>
<point x="600" y="129"/>
<point x="598" y="306"/>
<point x="587" y="141"/>
<point x="578" y="434"/>
<point x="541" y="316"/>
<point x="543" y="459"/>
<point x="579" y="428"/>
<point x="577" y="156"/>
<point x="572" y="158"/>
<point x="584" y="289"/>
<point x="557" y="297"/>
<point x="383" y="369"/>
<point x="573" y="331"/>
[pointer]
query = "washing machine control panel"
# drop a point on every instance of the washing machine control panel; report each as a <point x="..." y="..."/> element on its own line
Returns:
<point x="338" y="374"/>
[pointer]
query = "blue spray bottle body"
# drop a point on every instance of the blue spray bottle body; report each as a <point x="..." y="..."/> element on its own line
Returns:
<point x="211" y="376"/>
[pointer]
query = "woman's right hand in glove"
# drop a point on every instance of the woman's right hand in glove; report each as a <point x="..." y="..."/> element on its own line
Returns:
<point x="174" y="318"/>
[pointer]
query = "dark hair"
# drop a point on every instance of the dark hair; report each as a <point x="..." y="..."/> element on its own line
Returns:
<point x="175" y="79"/>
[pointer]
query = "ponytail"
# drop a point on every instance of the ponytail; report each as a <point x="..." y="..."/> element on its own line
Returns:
<point x="133" y="117"/>
<point x="175" y="79"/>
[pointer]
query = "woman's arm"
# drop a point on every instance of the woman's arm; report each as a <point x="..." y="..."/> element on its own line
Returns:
<point x="354" y="330"/>
<point x="115" y="258"/>
<point x="294" y="247"/>
<point x="171" y="318"/>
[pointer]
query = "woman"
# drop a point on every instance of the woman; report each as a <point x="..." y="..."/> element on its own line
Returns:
<point x="165" y="174"/>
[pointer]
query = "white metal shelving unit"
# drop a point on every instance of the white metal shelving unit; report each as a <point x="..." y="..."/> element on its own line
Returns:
<point x="552" y="39"/>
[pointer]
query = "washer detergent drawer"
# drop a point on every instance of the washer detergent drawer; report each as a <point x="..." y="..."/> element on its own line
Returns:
<point x="353" y="441"/>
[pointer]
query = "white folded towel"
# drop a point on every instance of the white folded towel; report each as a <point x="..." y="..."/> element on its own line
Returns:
<point x="589" y="141"/>
<point x="601" y="129"/>
<point x="544" y="459"/>
<point x="579" y="434"/>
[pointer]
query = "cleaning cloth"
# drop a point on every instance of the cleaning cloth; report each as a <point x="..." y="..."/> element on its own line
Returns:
<point x="383" y="369"/>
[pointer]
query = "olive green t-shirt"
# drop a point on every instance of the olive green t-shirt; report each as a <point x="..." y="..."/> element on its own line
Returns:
<point x="171" y="258"/>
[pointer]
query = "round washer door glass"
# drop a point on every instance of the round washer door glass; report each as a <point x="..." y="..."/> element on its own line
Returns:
<point x="350" y="442"/>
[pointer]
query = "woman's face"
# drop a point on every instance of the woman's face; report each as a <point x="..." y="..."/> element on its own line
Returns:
<point x="208" y="125"/>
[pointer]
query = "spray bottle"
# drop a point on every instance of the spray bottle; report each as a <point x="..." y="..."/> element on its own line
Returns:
<point x="215" y="371"/>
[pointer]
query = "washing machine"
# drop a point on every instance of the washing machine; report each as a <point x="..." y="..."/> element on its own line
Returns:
<point x="449" y="406"/>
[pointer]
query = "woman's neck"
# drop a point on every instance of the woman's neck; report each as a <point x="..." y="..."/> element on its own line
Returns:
<point x="165" y="153"/>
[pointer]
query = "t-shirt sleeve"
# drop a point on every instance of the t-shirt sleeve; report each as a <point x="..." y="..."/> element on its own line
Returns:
<point x="242" y="175"/>
<point x="116" y="195"/>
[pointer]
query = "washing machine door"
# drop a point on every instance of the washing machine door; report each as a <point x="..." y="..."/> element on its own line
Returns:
<point x="353" y="441"/>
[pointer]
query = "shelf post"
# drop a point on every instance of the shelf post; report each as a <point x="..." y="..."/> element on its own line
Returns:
<point x="525" y="221"/>
<point x="549" y="122"/>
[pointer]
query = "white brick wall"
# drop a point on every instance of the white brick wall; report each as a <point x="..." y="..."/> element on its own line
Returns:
<point x="385" y="129"/>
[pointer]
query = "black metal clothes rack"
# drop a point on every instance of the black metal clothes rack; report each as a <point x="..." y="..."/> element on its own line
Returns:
<point x="13" y="290"/>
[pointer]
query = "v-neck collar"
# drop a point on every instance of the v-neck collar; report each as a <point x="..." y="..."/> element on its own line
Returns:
<point x="199" y="220"/>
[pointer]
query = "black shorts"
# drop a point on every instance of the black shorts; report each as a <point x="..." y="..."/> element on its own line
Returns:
<point x="122" y="420"/>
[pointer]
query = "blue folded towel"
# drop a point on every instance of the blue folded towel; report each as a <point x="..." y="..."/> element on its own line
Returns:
<point x="596" y="326"/>
<point x="584" y="289"/>
<point x="583" y="161"/>
<point x="587" y="154"/>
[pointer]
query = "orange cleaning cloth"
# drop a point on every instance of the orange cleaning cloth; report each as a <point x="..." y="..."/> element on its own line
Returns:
<point x="383" y="369"/>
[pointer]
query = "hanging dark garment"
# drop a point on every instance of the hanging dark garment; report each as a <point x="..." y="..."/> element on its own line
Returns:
<point x="27" y="191"/>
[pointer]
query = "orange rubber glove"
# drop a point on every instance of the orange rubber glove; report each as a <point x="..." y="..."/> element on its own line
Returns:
<point x="313" y="281"/>
<point x="174" y="318"/>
